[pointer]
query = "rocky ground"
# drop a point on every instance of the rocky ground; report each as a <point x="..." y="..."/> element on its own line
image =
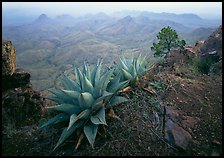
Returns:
<point x="171" y="114"/>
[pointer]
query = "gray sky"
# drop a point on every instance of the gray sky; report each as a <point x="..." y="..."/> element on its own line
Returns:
<point x="203" y="9"/>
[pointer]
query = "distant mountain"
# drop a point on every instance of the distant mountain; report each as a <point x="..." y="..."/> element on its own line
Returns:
<point x="46" y="46"/>
<point x="140" y="25"/>
<point x="189" y="20"/>
<point x="42" y="19"/>
<point x="198" y="34"/>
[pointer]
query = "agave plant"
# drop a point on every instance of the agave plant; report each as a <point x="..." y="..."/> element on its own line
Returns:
<point x="132" y="69"/>
<point x="83" y="101"/>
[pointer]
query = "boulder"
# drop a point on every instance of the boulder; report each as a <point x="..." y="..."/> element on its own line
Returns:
<point x="177" y="127"/>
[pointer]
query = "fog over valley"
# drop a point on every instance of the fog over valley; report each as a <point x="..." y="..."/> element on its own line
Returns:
<point x="51" y="37"/>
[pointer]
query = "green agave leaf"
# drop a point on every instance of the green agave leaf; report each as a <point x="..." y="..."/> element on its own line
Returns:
<point x="66" y="133"/>
<point x="62" y="97"/>
<point x="99" y="118"/>
<point x="138" y="60"/>
<point x="79" y="77"/>
<point x="101" y="84"/>
<point x="115" y="101"/>
<point x="86" y="71"/>
<point x="83" y="115"/>
<point x="123" y="65"/>
<point x="58" y="93"/>
<point x="104" y="96"/>
<point x="67" y="108"/>
<point x="55" y="99"/>
<point x="87" y="85"/>
<point x="70" y="84"/>
<point x="96" y="73"/>
<point x="118" y="86"/>
<point x="56" y="119"/>
<point x="90" y="131"/>
<point x="126" y="74"/>
<point x="73" y="119"/>
<point x="72" y="94"/>
<point x="114" y="81"/>
<point x="124" y="61"/>
<point x="86" y="100"/>
<point x="97" y="105"/>
<point x="143" y="62"/>
<point x="105" y="79"/>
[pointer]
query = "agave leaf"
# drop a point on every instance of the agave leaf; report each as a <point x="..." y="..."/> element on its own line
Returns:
<point x="123" y="65"/>
<point x="86" y="71"/>
<point x="79" y="77"/>
<point x="70" y="84"/>
<point x="61" y="95"/>
<point x="104" y="80"/>
<point x="114" y="81"/>
<point x="55" y="99"/>
<point x="97" y="105"/>
<point x="126" y="74"/>
<point x="93" y="74"/>
<point x="104" y="96"/>
<point x="124" y="60"/>
<point x="117" y="87"/>
<point x="56" y="119"/>
<point x="86" y="100"/>
<point x="83" y="115"/>
<point x="84" y="68"/>
<point x="72" y="94"/>
<point x="133" y="70"/>
<point x="101" y="84"/>
<point x="90" y="131"/>
<point x="115" y="101"/>
<point x="73" y="119"/>
<point x="87" y="85"/>
<point x="143" y="62"/>
<point x="96" y="73"/>
<point x="58" y="93"/>
<point x="138" y="62"/>
<point x="99" y="118"/>
<point x="66" y="133"/>
<point x="67" y="108"/>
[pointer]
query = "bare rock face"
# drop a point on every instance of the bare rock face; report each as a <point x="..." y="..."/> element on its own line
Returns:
<point x="8" y="58"/>
<point x="20" y="103"/>
<point x="213" y="45"/>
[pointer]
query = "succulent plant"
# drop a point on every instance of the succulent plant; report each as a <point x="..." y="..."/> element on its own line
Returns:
<point x="132" y="69"/>
<point x="83" y="101"/>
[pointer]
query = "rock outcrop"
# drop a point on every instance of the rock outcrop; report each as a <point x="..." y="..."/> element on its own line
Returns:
<point x="20" y="103"/>
<point x="213" y="45"/>
<point x="8" y="58"/>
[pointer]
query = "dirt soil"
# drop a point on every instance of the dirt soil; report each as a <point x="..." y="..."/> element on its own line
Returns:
<point x="139" y="131"/>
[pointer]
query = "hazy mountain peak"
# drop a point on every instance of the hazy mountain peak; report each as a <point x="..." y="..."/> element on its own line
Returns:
<point x="126" y="19"/>
<point x="42" y="18"/>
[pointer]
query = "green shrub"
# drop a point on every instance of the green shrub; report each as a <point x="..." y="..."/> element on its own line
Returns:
<point x="203" y="64"/>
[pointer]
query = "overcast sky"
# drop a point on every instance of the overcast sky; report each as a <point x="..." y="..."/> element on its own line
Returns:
<point x="203" y="9"/>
